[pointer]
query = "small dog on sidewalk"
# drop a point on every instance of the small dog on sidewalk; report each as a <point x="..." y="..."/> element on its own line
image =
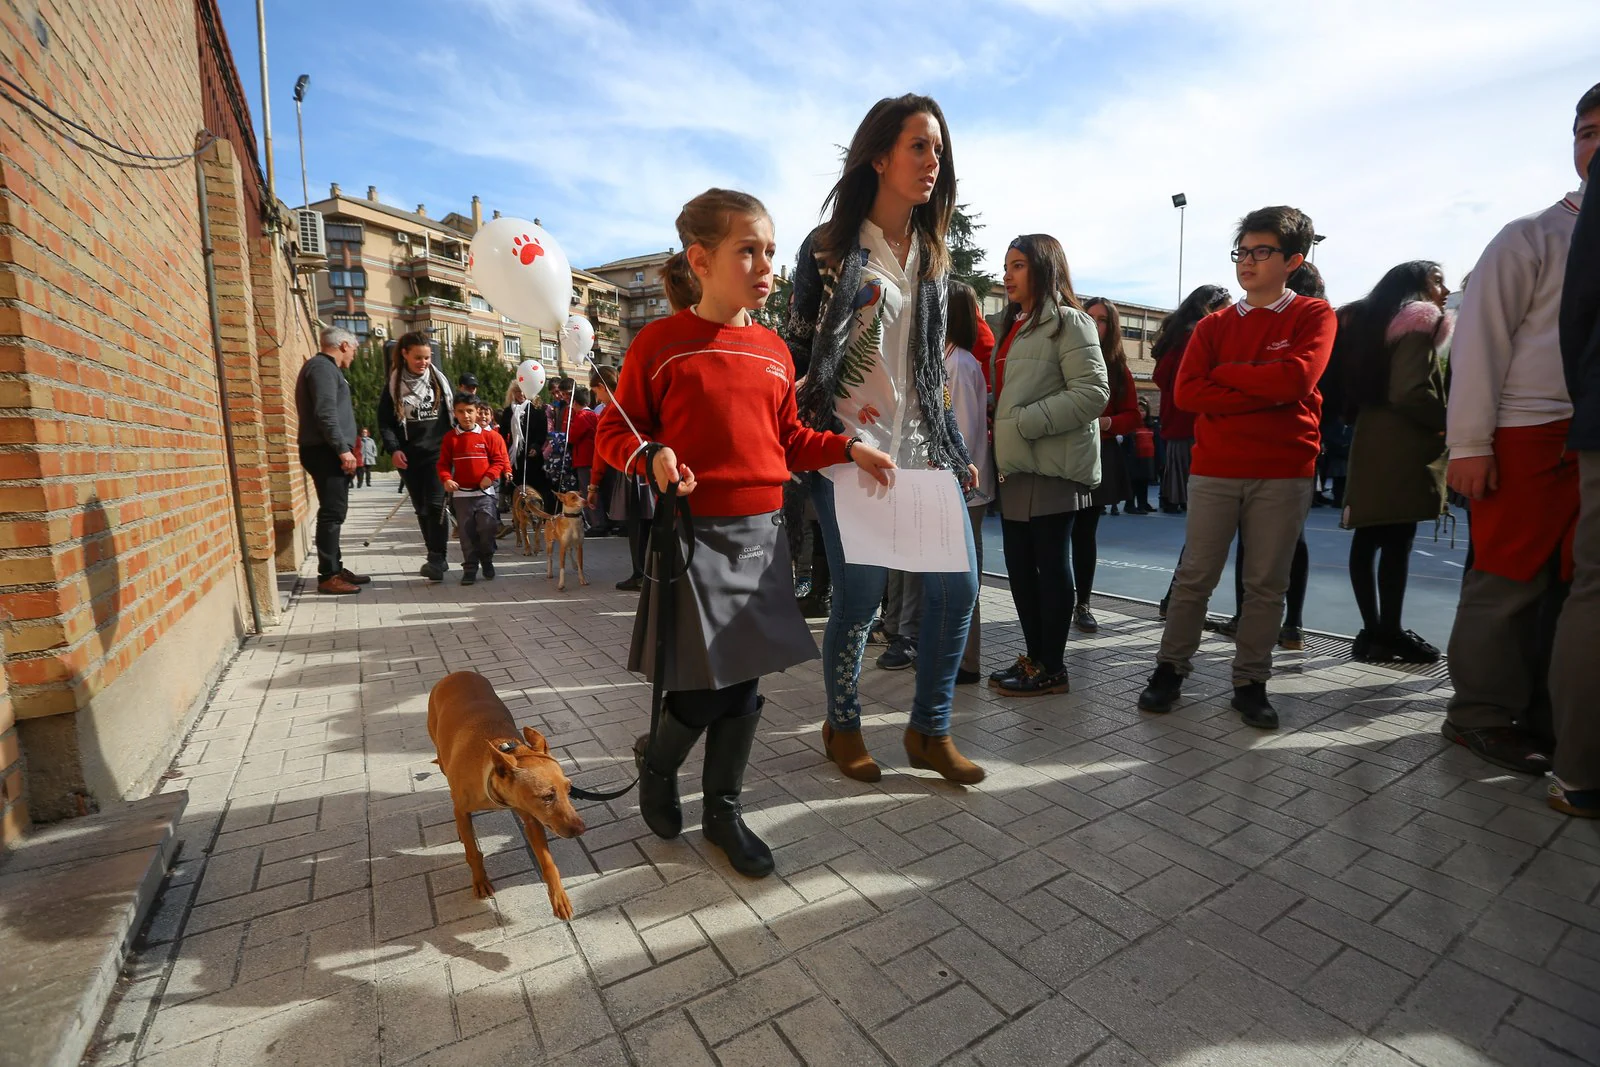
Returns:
<point x="489" y="765"/>
<point x="528" y="517"/>
<point x="564" y="533"/>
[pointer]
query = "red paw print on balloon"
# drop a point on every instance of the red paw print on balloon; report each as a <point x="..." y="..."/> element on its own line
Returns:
<point x="526" y="249"/>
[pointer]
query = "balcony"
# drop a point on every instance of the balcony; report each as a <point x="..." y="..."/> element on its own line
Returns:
<point x="605" y="310"/>
<point x="435" y="266"/>
<point x="430" y="307"/>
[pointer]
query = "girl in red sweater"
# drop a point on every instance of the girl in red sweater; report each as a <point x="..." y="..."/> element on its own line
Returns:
<point x="716" y="391"/>
<point x="1121" y="417"/>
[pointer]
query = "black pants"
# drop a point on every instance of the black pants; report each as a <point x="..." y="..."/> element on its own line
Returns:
<point x="333" y="503"/>
<point x="1380" y="564"/>
<point x="364" y="476"/>
<point x="427" y="499"/>
<point x="1041" y="585"/>
<point x="1084" y="528"/>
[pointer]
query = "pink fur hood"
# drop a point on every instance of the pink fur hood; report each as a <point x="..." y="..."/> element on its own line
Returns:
<point x="1421" y="316"/>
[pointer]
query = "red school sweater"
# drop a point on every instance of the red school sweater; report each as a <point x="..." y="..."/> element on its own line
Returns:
<point x="1250" y="377"/>
<point x="722" y="397"/>
<point x="468" y="458"/>
<point x="1124" y="412"/>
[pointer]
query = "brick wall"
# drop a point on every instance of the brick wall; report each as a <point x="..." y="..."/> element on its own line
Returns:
<point x="118" y="544"/>
<point x="13" y="805"/>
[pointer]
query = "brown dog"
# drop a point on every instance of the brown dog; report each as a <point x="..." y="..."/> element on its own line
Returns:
<point x="563" y="533"/>
<point x="527" y="516"/>
<point x="489" y="765"/>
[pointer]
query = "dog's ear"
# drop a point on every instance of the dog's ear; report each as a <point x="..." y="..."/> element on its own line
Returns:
<point x="535" y="740"/>
<point x="507" y="758"/>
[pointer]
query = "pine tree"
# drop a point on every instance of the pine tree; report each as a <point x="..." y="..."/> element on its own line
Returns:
<point x="965" y="255"/>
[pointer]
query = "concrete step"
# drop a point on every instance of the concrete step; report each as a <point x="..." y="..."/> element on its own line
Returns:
<point x="72" y="898"/>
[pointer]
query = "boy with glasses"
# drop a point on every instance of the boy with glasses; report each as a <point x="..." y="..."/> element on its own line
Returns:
<point x="1250" y="375"/>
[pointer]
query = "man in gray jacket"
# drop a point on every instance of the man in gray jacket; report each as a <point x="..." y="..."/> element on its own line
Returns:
<point x="327" y="451"/>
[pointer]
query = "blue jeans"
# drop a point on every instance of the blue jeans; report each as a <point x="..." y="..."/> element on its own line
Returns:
<point x="947" y="601"/>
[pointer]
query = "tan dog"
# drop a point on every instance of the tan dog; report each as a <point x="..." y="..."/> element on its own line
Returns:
<point x="528" y="517"/>
<point x="489" y="765"/>
<point x="563" y="533"/>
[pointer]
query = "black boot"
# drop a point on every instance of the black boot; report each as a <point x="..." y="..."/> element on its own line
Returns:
<point x="658" y="773"/>
<point x="727" y="751"/>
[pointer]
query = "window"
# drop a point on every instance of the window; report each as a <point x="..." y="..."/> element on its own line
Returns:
<point x="339" y="231"/>
<point x="347" y="279"/>
<point x="638" y="277"/>
<point x="547" y="351"/>
<point x="652" y="301"/>
<point x="513" y="347"/>
<point x="356" y="324"/>
<point x="480" y="304"/>
<point x="1132" y="333"/>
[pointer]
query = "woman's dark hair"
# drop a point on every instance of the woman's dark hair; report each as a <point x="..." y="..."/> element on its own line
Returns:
<point x="1307" y="281"/>
<point x="1363" y="347"/>
<point x="415" y="339"/>
<point x="1116" y="359"/>
<point x="606" y="376"/>
<point x="961" y="328"/>
<point x="704" y="221"/>
<point x="1174" y="331"/>
<point x="1048" y="278"/>
<point x="852" y="195"/>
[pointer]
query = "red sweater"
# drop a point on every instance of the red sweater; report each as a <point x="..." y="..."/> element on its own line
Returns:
<point x="1124" y="413"/>
<point x="1252" y="380"/>
<point x="984" y="348"/>
<point x="722" y="397"/>
<point x="1176" y="423"/>
<point x="468" y="458"/>
<point x="580" y="439"/>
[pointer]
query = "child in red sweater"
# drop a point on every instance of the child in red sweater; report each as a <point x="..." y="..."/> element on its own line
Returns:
<point x="716" y="391"/>
<point x="472" y="460"/>
<point x="1249" y="374"/>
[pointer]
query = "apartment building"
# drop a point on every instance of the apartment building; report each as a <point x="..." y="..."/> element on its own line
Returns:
<point x="637" y="280"/>
<point x="392" y="271"/>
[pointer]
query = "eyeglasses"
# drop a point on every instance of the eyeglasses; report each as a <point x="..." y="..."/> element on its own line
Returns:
<point x="1256" y="253"/>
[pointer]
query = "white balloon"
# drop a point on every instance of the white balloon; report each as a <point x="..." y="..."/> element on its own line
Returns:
<point x="522" y="271"/>
<point x="530" y="378"/>
<point x="577" y="337"/>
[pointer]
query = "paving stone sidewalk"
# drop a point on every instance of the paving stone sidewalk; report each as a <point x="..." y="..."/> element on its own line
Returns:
<point x="1121" y="890"/>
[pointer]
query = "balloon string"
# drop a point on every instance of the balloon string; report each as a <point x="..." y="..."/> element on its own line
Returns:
<point x="620" y="409"/>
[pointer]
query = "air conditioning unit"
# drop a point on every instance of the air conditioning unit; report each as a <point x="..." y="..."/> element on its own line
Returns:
<point x="313" y="239"/>
<point x="402" y="238"/>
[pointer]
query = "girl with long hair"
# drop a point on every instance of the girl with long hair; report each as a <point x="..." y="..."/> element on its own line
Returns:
<point x="711" y="392"/>
<point x="1050" y="390"/>
<point x="1177" y="425"/>
<point x="1394" y="394"/>
<point x="1120" y="418"/>
<point x="867" y="329"/>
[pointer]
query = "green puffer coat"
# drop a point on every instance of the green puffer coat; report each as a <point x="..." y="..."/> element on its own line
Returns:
<point x="1397" y="457"/>
<point x="1047" y="416"/>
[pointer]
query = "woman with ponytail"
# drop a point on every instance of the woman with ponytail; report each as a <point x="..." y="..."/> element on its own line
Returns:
<point x="867" y="328"/>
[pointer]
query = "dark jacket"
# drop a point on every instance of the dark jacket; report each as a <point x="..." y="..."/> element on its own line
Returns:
<point x="1397" y="456"/>
<point x="1580" y="320"/>
<point x="535" y="429"/>
<point x="820" y="316"/>
<point x="322" y="401"/>
<point x="413" y="437"/>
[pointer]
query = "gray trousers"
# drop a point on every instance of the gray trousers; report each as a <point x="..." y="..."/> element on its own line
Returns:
<point x="1268" y="514"/>
<point x="477" y="521"/>
<point x="972" y="658"/>
<point x="902" y="612"/>
<point x="1577" y="715"/>
<point x="1500" y="651"/>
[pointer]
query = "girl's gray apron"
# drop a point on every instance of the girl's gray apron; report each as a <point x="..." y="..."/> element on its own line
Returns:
<point x="736" y="613"/>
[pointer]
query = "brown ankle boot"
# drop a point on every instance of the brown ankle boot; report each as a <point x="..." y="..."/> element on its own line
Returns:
<point x="849" y="751"/>
<point x="939" y="754"/>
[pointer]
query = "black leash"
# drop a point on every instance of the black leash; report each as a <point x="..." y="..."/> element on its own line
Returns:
<point x="668" y="546"/>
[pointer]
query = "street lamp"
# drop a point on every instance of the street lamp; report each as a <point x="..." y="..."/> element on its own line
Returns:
<point x="300" y="86"/>
<point x="1316" y="239"/>
<point x="1180" y="202"/>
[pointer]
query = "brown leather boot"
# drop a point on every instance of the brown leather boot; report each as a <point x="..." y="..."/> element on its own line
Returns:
<point x="849" y="751"/>
<point x="939" y="754"/>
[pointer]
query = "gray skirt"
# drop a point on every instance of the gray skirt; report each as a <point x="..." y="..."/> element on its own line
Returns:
<point x="1027" y="496"/>
<point x="1175" y="478"/>
<point x="735" y="613"/>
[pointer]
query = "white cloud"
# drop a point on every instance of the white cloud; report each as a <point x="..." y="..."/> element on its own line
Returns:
<point x="1405" y="132"/>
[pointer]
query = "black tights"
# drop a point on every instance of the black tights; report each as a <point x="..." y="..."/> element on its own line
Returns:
<point x="1085" y="525"/>
<point x="1386" y="551"/>
<point x="699" y="708"/>
<point x="1041" y="584"/>
<point x="1294" y="601"/>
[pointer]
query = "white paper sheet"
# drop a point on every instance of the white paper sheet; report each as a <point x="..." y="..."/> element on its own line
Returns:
<point x="915" y="524"/>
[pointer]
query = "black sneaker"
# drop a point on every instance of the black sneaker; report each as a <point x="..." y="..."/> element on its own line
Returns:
<point x="1161" y="609"/>
<point x="965" y="677"/>
<point x="1250" y="701"/>
<point x="1409" y="647"/>
<point x="432" y="571"/>
<point x="1361" y="645"/>
<point x="1162" y="692"/>
<point x="1292" y="639"/>
<point x="631" y="585"/>
<point x="488" y="570"/>
<point x="1503" y="746"/>
<point x="1013" y="671"/>
<point x="1035" y="681"/>
<point x="901" y="654"/>
<point x="1084" y="621"/>
<point x="469" y="576"/>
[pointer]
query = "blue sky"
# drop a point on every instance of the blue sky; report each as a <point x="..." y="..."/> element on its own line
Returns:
<point x="1406" y="134"/>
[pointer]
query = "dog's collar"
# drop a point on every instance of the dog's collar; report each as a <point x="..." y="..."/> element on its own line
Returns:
<point x="565" y="514"/>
